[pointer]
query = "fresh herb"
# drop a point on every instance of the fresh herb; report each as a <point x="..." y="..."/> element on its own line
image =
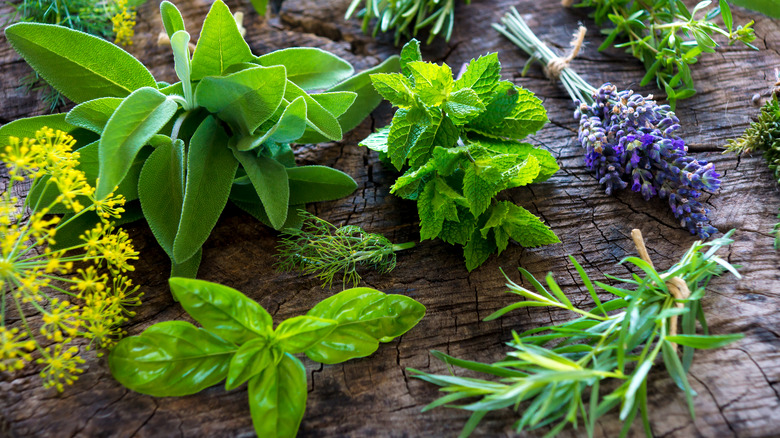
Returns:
<point x="406" y="17"/>
<point x="239" y="344"/>
<point x="461" y="142"/>
<point x="629" y="138"/>
<point x="320" y="248"/>
<point x="766" y="7"/>
<point x="666" y="36"/>
<point x="221" y="133"/>
<point x="37" y="267"/>
<point x="551" y="368"/>
<point x="764" y="135"/>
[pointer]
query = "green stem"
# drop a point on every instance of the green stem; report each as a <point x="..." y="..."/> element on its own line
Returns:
<point x="403" y="246"/>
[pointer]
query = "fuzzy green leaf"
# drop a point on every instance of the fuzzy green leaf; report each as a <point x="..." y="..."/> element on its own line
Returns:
<point x="220" y="44"/>
<point x="308" y="67"/>
<point x="318" y="183"/>
<point x="161" y="191"/>
<point x="93" y="114"/>
<point x="171" y="18"/>
<point x="269" y="178"/>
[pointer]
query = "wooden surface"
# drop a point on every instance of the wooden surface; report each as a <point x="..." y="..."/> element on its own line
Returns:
<point x="738" y="386"/>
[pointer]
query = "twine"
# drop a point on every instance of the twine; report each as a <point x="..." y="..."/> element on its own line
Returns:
<point x="567" y="3"/>
<point x="677" y="286"/>
<point x="556" y="65"/>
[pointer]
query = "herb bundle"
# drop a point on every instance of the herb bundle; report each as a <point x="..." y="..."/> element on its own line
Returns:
<point x="461" y="142"/>
<point x="628" y="138"/>
<point x="320" y="248"/>
<point x="551" y="368"/>
<point x="221" y="133"/>
<point x="666" y="36"/>
<point x="37" y="266"/>
<point x="239" y="344"/>
<point x="764" y="135"/>
<point x="407" y="17"/>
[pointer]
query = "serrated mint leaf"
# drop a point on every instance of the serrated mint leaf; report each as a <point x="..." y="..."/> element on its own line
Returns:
<point x="410" y="53"/>
<point x="437" y="203"/>
<point x="528" y="116"/>
<point x="458" y="233"/>
<point x="403" y="133"/>
<point x="407" y="186"/>
<point x="440" y="132"/>
<point x="448" y="160"/>
<point x="482" y="75"/>
<point x="378" y="140"/>
<point x="507" y="219"/>
<point x="432" y="83"/>
<point x="548" y="165"/>
<point x="463" y="105"/>
<point x="477" y="250"/>
<point x="395" y="88"/>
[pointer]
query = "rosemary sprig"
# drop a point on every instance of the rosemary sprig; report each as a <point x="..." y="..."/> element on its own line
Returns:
<point x="550" y="369"/>
<point x="320" y="248"/>
<point x="406" y="17"/>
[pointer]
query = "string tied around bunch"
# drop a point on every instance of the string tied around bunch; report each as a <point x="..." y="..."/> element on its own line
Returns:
<point x="556" y="65"/>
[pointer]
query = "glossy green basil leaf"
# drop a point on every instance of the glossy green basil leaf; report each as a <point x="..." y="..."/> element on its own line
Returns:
<point x="210" y="172"/>
<point x="244" y="99"/>
<point x="318" y="183"/>
<point x="80" y="66"/>
<point x="171" y="358"/>
<point x="220" y="44"/>
<point x="296" y="335"/>
<point x="93" y="114"/>
<point x="140" y="116"/>
<point x="222" y="310"/>
<point x="171" y="18"/>
<point x="269" y="178"/>
<point x="366" y="317"/>
<point x="308" y="67"/>
<point x="277" y="399"/>
<point x="252" y="358"/>
<point x="161" y="191"/>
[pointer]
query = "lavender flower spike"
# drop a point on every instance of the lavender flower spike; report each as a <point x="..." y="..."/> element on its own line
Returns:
<point x="630" y="139"/>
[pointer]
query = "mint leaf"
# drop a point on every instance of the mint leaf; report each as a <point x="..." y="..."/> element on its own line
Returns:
<point x="477" y="250"/>
<point x="481" y="75"/>
<point x="378" y="140"/>
<point x="527" y="117"/>
<point x="509" y="220"/>
<point x="463" y="105"/>
<point x="432" y="82"/>
<point x="437" y="202"/>
<point x="410" y="53"/>
<point x="403" y="133"/>
<point x="458" y="232"/>
<point x="439" y="132"/>
<point x="394" y="88"/>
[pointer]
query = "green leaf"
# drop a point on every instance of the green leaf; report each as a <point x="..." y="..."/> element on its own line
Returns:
<point x="477" y="250"/>
<point x="171" y="18"/>
<point x="432" y="83"/>
<point x="437" y="203"/>
<point x="296" y="335"/>
<point x="317" y="117"/>
<point x="439" y="132"/>
<point x="705" y="341"/>
<point x="377" y="141"/>
<point x="410" y="53"/>
<point x="463" y="105"/>
<point x="269" y="179"/>
<point x="211" y="168"/>
<point x="308" y="67"/>
<point x="244" y="99"/>
<point x="335" y="102"/>
<point x="140" y="116"/>
<point x="402" y="136"/>
<point x="182" y="64"/>
<point x="547" y="162"/>
<point x="27" y="127"/>
<point x="290" y="127"/>
<point x="277" y="398"/>
<point x="769" y="8"/>
<point x="222" y="310"/>
<point x="481" y="75"/>
<point x="395" y="88"/>
<point x="93" y="114"/>
<point x="365" y="318"/>
<point x="515" y="114"/>
<point x="220" y="44"/>
<point x="187" y="268"/>
<point x="318" y="183"/>
<point x="250" y="360"/>
<point x="261" y="6"/>
<point x="161" y="191"/>
<point x="172" y="358"/>
<point x="510" y="220"/>
<point x="80" y="66"/>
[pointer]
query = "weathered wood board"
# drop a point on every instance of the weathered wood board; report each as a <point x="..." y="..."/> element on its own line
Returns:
<point x="738" y="386"/>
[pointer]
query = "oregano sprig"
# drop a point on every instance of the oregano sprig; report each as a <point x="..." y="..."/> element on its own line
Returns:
<point x="460" y="143"/>
<point x="549" y="370"/>
<point x="238" y="344"/>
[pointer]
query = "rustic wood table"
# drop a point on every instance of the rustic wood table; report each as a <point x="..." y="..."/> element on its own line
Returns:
<point x="738" y="386"/>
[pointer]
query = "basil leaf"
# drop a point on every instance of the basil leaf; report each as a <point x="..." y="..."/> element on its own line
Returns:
<point x="222" y="310"/>
<point x="318" y="183"/>
<point x="210" y="172"/>
<point x="269" y="179"/>
<point x="220" y="44"/>
<point x="93" y="114"/>
<point x="296" y="335"/>
<point x="171" y="18"/>
<point x="161" y="191"/>
<point x="251" y="359"/>
<point x="244" y="99"/>
<point x="308" y="67"/>
<point x="171" y="358"/>
<point x="140" y="116"/>
<point x="366" y="317"/>
<point x="80" y="66"/>
<point x="277" y="398"/>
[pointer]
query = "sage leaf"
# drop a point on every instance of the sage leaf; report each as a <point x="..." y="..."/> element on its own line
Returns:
<point x="269" y="178"/>
<point x="93" y="114"/>
<point x="250" y="359"/>
<point x="171" y="18"/>
<point x="318" y="118"/>
<point x="182" y="64"/>
<point x="187" y="268"/>
<point x="220" y="44"/>
<point x="297" y="334"/>
<point x="365" y="317"/>
<point x="171" y="358"/>
<point x="277" y="398"/>
<point x="308" y="67"/>
<point x="222" y="310"/>
<point x="290" y="127"/>
<point x="161" y="191"/>
<point x="29" y="126"/>
<point x="210" y="172"/>
<point x="140" y="116"/>
<point x="318" y="183"/>
<point x="80" y="66"/>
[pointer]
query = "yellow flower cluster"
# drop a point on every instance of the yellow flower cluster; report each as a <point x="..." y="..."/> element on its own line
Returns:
<point x="90" y="304"/>
<point x="124" y="23"/>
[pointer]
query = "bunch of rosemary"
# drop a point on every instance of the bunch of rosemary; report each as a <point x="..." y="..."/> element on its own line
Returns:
<point x="407" y="17"/>
<point x="554" y="373"/>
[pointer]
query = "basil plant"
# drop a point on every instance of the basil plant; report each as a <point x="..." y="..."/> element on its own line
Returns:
<point x="179" y="152"/>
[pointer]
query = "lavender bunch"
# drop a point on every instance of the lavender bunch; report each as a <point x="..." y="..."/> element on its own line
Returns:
<point x="628" y="138"/>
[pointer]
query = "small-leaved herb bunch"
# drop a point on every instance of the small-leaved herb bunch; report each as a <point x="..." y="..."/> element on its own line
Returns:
<point x="460" y="143"/>
<point x="111" y="19"/>
<point x="628" y="138"/>
<point x="666" y="36"/>
<point x="764" y="135"/>
<point x="239" y="344"/>
<point x="40" y="283"/>
<point x="407" y="17"/>
<point x="550" y="370"/>
<point x="320" y="248"/>
<point x="221" y="133"/>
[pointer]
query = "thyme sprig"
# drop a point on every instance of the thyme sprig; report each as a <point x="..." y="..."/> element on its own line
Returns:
<point x="322" y="249"/>
<point x="550" y="369"/>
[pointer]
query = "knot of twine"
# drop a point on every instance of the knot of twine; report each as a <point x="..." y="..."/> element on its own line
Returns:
<point x="567" y="3"/>
<point x="556" y="65"/>
<point x="677" y="286"/>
